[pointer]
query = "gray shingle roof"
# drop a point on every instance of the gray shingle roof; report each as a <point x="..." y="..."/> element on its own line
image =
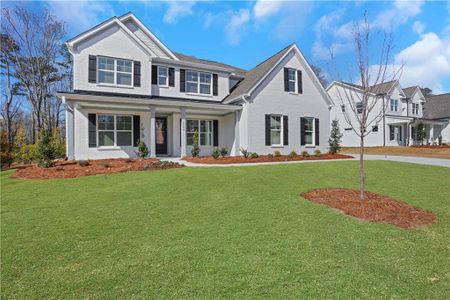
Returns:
<point x="253" y="76"/>
<point x="188" y="58"/>
<point x="437" y="107"/>
<point x="381" y="88"/>
<point x="409" y="91"/>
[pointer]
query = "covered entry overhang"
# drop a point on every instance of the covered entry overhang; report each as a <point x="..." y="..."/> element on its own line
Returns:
<point x="177" y="109"/>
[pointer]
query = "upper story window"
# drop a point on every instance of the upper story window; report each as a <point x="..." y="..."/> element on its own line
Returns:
<point x="115" y="71"/>
<point x="198" y="82"/>
<point x="292" y="80"/>
<point x="163" y="75"/>
<point x="415" y="108"/>
<point x="394" y="105"/>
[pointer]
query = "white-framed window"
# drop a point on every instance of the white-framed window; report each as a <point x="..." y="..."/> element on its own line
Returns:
<point x="204" y="129"/>
<point x="198" y="82"/>
<point x="276" y="130"/>
<point x="394" y="105"/>
<point x="359" y="107"/>
<point x="114" y="71"/>
<point x="309" y="131"/>
<point x="395" y="133"/>
<point x="114" y="130"/>
<point x="292" y="80"/>
<point x="415" y="108"/>
<point x="163" y="76"/>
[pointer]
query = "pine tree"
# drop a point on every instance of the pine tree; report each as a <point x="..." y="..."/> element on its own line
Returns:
<point x="45" y="152"/>
<point x="335" y="137"/>
<point x="420" y="132"/>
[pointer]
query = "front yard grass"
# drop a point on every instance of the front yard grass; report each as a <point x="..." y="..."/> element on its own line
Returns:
<point x="221" y="233"/>
<point x="437" y="152"/>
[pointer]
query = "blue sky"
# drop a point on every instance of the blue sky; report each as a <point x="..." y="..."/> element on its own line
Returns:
<point x="244" y="33"/>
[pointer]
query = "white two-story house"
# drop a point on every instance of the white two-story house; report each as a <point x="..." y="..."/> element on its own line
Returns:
<point x="400" y="110"/>
<point x="129" y="86"/>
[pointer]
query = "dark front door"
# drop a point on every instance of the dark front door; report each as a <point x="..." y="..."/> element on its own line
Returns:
<point x="161" y="135"/>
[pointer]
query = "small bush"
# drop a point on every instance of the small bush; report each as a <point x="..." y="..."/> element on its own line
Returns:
<point x="277" y="153"/>
<point x="142" y="150"/>
<point x="223" y="152"/>
<point x="254" y="155"/>
<point x="317" y="153"/>
<point x="215" y="153"/>
<point x="58" y="144"/>
<point x="45" y="151"/>
<point x="245" y="153"/>
<point x="83" y="163"/>
<point x="305" y="154"/>
<point x="270" y="155"/>
<point x="195" y="151"/>
<point x="292" y="153"/>
<point x="27" y="153"/>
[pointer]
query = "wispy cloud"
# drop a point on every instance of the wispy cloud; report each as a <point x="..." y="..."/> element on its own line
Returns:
<point x="178" y="9"/>
<point x="400" y="12"/>
<point x="235" y="26"/>
<point x="266" y="8"/>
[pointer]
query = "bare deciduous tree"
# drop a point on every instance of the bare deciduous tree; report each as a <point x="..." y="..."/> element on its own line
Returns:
<point x="363" y="105"/>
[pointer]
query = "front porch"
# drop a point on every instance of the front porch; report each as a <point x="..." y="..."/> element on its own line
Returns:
<point x="166" y="126"/>
<point x="404" y="133"/>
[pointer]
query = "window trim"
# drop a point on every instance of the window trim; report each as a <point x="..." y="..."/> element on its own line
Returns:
<point x="295" y="91"/>
<point x="115" y="84"/>
<point x="115" y="130"/>
<point x="211" y="133"/>
<point x="396" y="105"/>
<point x="361" y="109"/>
<point x="167" y="76"/>
<point x="313" y="132"/>
<point x="415" y="108"/>
<point x="186" y="81"/>
<point x="392" y="127"/>
<point x="281" y="144"/>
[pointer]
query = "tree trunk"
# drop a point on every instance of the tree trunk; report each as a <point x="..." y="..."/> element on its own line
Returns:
<point x="361" y="169"/>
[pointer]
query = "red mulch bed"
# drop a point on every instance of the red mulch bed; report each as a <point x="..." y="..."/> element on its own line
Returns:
<point x="261" y="158"/>
<point x="375" y="208"/>
<point x="72" y="169"/>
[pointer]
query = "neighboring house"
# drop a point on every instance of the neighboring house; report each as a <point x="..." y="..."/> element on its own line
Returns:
<point x="129" y="86"/>
<point x="401" y="111"/>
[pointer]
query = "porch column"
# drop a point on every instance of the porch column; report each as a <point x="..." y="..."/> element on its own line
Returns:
<point x="237" y="136"/>
<point x="69" y="129"/>
<point x="183" y="132"/>
<point x="431" y="140"/>
<point x="152" y="132"/>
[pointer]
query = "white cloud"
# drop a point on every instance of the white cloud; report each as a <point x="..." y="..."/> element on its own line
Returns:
<point x="265" y="8"/>
<point x="418" y="27"/>
<point x="80" y="15"/>
<point x="235" y="26"/>
<point x="177" y="10"/>
<point x="398" y="14"/>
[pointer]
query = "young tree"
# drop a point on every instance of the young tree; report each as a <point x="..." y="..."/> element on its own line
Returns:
<point x="420" y="132"/>
<point x="335" y="137"/>
<point x="45" y="152"/>
<point x="195" y="151"/>
<point x="365" y="105"/>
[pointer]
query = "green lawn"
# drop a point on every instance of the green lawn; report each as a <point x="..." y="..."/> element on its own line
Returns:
<point x="221" y="233"/>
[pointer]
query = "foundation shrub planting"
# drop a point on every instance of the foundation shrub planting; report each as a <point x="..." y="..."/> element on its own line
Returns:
<point x="277" y="153"/>
<point x="292" y="153"/>
<point x="215" y="153"/>
<point x="254" y="155"/>
<point x="223" y="152"/>
<point x="305" y="154"/>
<point x="317" y="153"/>
<point x="245" y="153"/>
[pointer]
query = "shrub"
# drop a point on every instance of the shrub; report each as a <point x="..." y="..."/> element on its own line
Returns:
<point x="223" y="152"/>
<point x="334" y="141"/>
<point x="142" y="150"/>
<point x="83" y="163"/>
<point x="27" y="153"/>
<point x="58" y="144"/>
<point x="215" y="153"/>
<point x="195" y="151"/>
<point x="270" y="155"/>
<point x="292" y="153"/>
<point x="305" y="154"/>
<point x="45" y="152"/>
<point x="277" y="153"/>
<point x="245" y="152"/>
<point x="254" y="155"/>
<point x="317" y="153"/>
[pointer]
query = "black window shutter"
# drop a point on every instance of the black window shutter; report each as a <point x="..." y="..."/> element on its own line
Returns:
<point x="92" y="72"/>
<point x="136" y="130"/>
<point x="154" y="74"/>
<point x="285" y="131"/>
<point x="316" y="128"/>
<point x="302" y="131"/>
<point x="92" y="128"/>
<point x="215" y="84"/>
<point x="215" y="133"/>
<point x="286" y="80"/>
<point x="391" y="133"/>
<point x="268" y="143"/>
<point x="137" y="73"/>
<point x="182" y="80"/>
<point x="300" y="82"/>
<point x="171" y="77"/>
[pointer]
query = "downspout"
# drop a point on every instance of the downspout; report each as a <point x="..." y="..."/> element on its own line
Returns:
<point x="384" y="121"/>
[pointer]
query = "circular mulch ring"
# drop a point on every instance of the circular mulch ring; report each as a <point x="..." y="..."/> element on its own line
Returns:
<point x="375" y="207"/>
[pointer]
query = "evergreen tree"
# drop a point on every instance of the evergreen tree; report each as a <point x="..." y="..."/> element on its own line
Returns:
<point x="420" y="132"/>
<point x="45" y="152"/>
<point x="335" y="137"/>
<point x="195" y="147"/>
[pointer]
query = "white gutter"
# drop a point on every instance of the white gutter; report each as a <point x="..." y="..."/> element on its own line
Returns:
<point x="191" y="64"/>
